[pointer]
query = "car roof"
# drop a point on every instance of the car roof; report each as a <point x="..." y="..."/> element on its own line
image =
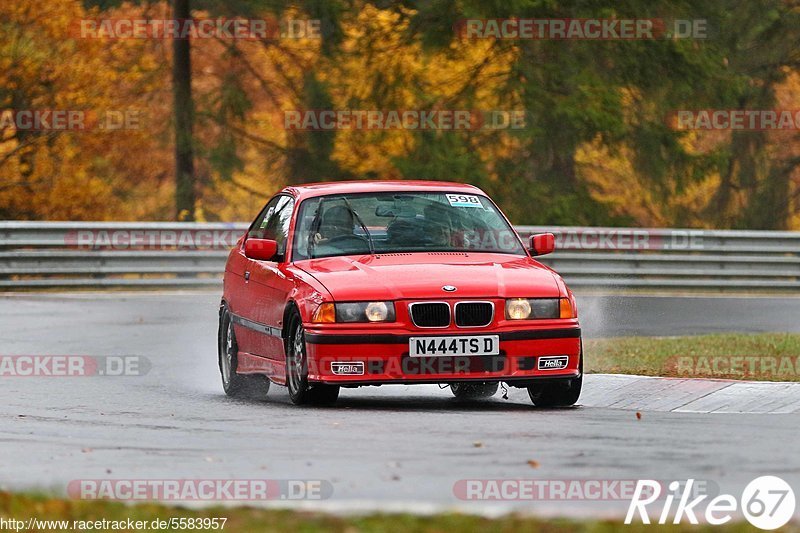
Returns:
<point x="309" y="190"/>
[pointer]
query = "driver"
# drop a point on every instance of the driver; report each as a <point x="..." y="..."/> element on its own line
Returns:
<point x="437" y="227"/>
<point x="336" y="221"/>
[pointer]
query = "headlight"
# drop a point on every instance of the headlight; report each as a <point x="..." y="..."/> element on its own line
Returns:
<point x="518" y="309"/>
<point x="536" y="308"/>
<point x="377" y="311"/>
<point x="365" y="312"/>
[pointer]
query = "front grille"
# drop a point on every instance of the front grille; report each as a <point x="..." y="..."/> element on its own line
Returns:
<point x="474" y="314"/>
<point x="430" y="315"/>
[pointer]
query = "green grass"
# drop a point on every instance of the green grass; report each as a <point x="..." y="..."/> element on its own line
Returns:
<point x="764" y="356"/>
<point x="243" y="519"/>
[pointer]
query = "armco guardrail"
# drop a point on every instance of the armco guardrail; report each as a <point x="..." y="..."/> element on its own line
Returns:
<point x="160" y="254"/>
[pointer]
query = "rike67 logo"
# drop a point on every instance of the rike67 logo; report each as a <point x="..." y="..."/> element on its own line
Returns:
<point x="767" y="502"/>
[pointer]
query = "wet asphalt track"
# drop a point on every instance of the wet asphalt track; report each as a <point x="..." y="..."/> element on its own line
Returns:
<point x="380" y="448"/>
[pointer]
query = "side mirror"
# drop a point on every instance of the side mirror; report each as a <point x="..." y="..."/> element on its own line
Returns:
<point x="542" y="244"/>
<point x="260" y="249"/>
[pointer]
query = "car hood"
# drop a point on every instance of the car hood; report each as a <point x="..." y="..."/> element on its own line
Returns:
<point x="422" y="276"/>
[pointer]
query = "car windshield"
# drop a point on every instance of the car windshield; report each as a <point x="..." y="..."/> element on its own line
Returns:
<point x="394" y="222"/>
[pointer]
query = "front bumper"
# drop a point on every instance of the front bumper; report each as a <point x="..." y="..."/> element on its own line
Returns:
<point x="372" y="358"/>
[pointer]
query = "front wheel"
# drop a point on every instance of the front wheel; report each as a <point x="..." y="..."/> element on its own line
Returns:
<point x="558" y="393"/>
<point x="474" y="391"/>
<point x="301" y="392"/>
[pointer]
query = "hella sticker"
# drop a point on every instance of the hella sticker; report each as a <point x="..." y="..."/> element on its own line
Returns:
<point x="556" y="362"/>
<point x="348" y="368"/>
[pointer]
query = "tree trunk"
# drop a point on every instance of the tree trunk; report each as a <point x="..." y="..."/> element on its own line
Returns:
<point x="185" y="193"/>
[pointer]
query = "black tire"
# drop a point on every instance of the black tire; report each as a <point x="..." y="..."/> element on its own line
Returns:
<point x="235" y="385"/>
<point x="301" y="392"/>
<point x="474" y="391"/>
<point x="556" y="394"/>
<point x="562" y="393"/>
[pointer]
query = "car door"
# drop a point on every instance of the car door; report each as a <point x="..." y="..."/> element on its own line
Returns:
<point x="268" y="286"/>
<point x="243" y="299"/>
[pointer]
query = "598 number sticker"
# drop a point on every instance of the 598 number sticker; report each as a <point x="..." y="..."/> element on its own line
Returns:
<point x="463" y="200"/>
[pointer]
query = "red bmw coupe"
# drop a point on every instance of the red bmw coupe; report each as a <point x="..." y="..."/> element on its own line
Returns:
<point x="352" y="284"/>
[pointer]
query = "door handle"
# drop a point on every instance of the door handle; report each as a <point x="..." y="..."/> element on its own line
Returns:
<point x="247" y="275"/>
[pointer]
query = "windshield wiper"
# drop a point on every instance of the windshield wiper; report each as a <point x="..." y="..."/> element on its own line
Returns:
<point x="361" y="223"/>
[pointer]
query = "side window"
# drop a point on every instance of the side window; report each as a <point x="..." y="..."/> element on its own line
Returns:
<point x="282" y="218"/>
<point x="264" y="225"/>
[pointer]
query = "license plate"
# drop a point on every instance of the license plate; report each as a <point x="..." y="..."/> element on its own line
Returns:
<point x="454" y="346"/>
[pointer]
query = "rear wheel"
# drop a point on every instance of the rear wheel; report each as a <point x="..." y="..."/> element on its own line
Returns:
<point x="254" y="386"/>
<point x="301" y="392"/>
<point x="474" y="391"/>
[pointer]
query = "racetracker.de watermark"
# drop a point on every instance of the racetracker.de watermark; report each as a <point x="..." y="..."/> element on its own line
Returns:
<point x="626" y="239"/>
<point x="71" y="120"/>
<point x="207" y="490"/>
<point x="734" y="119"/>
<point x="260" y="29"/>
<point x="157" y="239"/>
<point x="559" y="489"/>
<point x="775" y="367"/>
<point x="582" y="29"/>
<point x="403" y="119"/>
<point x="73" y="365"/>
<point x="410" y="366"/>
